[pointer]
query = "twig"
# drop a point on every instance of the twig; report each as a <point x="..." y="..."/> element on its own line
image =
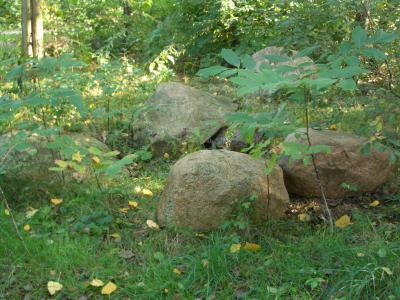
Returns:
<point x="390" y="83"/>
<point x="13" y="219"/>
<point x="316" y="170"/>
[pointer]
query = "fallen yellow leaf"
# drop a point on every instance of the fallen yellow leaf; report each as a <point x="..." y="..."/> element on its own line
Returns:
<point x="108" y="289"/>
<point x="115" y="235"/>
<point x="177" y="271"/>
<point x="166" y="156"/>
<point x="56" y="201"/>
<point x="374" y="203"/>
<point x="387" y="270"/>
<point x="235" y="248"/>
<point x="304" y="217"/>
<point x="31" y="212"/>
<point x="343" y="221"/>
<point x="77" y="156"/>
<point x="360" y="254"/>
<point x="165" y="291"/>
<point x="152" y="224"/>
<point x="201" y="235"/>
<point x="124" y="209"/>
<point x="53" y="287"/>
<point x="333" y="127"/>
<point x="96" y="160"/>
<point x="133" y="204"/>
<point x="252" y="247"/>
<point x="205" y="263"/>
<point x="96" y="283"/>
<point x="147" y="192"/>
<point x="27" y="227"/>
<point x="138" y="189"/>
<point x="6" y="212"/>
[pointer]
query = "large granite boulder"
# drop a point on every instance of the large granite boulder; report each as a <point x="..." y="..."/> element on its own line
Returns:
<point x="301" y="63"/>
<point x="344" y="172"/>
<point x="179" y="114"/>
<point x="297" y="66"/>
<point x="204" y="189"/>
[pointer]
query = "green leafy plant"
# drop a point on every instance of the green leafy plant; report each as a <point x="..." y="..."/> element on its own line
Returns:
<point x="304" y="85"/>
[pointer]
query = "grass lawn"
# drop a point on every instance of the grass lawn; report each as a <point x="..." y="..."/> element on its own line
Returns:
<point x="88" y="237"/>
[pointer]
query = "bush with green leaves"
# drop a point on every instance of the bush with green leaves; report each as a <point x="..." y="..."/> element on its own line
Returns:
<point x="304" y="87"/>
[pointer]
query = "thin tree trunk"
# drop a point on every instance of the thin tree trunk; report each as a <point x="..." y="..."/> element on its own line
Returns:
<point x="26" y="28"/>
<point x="37" y="28"/>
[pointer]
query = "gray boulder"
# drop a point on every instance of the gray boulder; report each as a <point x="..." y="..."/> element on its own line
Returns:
<point x="204" y="188"/>
<point x="30" y="167"/>
<point x="179" y="114"/>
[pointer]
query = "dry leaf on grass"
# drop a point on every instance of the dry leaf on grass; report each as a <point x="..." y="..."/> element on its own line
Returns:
<point x="54" y="287"/>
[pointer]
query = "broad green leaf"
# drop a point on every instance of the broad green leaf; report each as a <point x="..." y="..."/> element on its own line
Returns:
<point x="374" y="53"/>
<point x="306" y="52"/>
<point x="381" y="37"/>
<point x="359" y="37"/>
<point x="116" y="167"/>
<point x="347" y="84"/>
<point x="231" y="57"/>
<point x="321" y="83"/>
<point x="211" y="71"/>
<point x="228" y="73"/>
<point x="248" y="62"/>
<point x="15" y="73"/>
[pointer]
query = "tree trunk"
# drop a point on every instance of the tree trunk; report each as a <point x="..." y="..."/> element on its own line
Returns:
<point x="26" y="28"/>
<point x="37" y="28"/>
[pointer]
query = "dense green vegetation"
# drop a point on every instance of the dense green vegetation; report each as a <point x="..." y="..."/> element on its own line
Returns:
<point x="103" y="59"/>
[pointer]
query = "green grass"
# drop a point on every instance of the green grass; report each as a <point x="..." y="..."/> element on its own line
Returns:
<point x="297" y="261"/>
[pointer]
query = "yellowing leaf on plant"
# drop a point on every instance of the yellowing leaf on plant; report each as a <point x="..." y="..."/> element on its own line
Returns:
<point x="31" y="212"/>
<point x="96" y="160"/>
<point x="108" y="289"/>
<point x="304" y="217"/>
<point x="166" y="156"/>
<point x="235" y="248"/>
<point x="124" y="209"/>
<point x="252" y="247"/>
<point x="77" y="156"/>
<point x="387" y="270"/>
<point x="6" y="212"/>
<point x="374" y="203"/>
<point x="333" y="127"/>
<point x="27" y="227"/>
<point x="177" y="271"/>
<point x="53" y="287"/>
<point x="360" y="254"/>
<point x="133" y="204"/>
<point x="56" y="201"/>
<point x="343" y="221"/>
<point x="96" y="283"/>
<point x="152" y="224"/>
<point x="166" y="291"/>
<point x="147" y="192"/>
